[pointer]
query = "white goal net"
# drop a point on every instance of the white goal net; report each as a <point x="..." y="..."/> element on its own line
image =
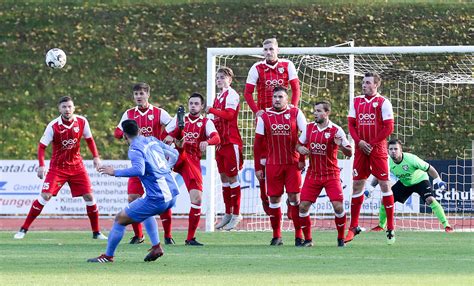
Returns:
<point x="431" y="90"/>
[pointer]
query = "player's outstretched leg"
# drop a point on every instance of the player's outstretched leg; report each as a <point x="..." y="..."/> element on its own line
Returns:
<point x="156" y="251"/>
<point x="115" y="236"/>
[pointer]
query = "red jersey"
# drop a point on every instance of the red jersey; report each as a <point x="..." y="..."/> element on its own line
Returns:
<point x="280" y="129"/>
<point x="228" y="129"/>
<point x="196" y="130"/>
<point x="369" y="114"/>
<point x="323" y="150"/>
<point x="267" y="77"/>
<point x="150" y="121"/>
<point x="66" y="141"/>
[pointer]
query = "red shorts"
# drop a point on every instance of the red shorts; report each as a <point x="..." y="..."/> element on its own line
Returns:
<point x="313" y="187"/>
<point x="229" y="159"/>
<point x="190" y="170"/>
<point x="364" y="165"/>
<point x="78" y="181"/>
<point x="135" y="186"/>
<point x="278" y="177"/>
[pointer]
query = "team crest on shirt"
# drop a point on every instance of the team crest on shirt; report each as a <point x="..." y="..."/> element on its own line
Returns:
<point x="76" y="129"/>
<point x="199" y="124"/>
<point x="151" y="117"/>
<point x="327" y="135"/>
<point x="405" y="167"/>
<point x="281" y="69"/>
<point x="287" y="116"/>
<point x="375" y="104"/>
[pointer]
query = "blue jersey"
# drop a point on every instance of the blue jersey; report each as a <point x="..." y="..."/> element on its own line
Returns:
<point x="149" y="163"/>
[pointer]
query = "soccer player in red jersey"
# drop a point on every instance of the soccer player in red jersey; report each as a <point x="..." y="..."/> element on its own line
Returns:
<point x="66" y="165"/>
<point x="265" y="76"/>
<point x="279" y="127"/>
<point x="192" y="140"/>
<point x="370" y="123"/>
<point x="152" y="121"/>
<point x="321" y="140"/>
<point x="225" y="112"/>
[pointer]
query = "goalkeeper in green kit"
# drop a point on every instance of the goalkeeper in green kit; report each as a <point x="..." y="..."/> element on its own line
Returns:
<point x="412" y="174"/>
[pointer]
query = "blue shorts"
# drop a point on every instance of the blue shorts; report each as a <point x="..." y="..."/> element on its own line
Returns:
<point x="143" y="208"/>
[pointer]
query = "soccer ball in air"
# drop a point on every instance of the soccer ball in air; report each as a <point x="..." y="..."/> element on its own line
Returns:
<point x="55" y="58"/>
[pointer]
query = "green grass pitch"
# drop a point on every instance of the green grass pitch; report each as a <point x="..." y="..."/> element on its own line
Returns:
<point x="241" y="258"/>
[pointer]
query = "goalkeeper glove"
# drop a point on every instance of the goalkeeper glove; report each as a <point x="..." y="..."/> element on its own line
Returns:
<point x="438" y="184"/>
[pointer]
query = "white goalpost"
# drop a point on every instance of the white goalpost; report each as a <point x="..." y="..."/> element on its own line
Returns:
<point x="431" y="89"/>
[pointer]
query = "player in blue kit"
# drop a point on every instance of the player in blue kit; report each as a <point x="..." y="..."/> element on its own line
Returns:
<point x="148" y="156"/>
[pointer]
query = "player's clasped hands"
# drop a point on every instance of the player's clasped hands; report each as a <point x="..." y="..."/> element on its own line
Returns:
<point x="302" y="150"/>
<point x="365" y="147"/>
<point x="203" y="145"/>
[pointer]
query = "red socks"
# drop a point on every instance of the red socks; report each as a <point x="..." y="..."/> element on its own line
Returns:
<point x="194" y="217"/>
<point x="137" y="229"/>
<point x="340" y="225"/>
<point x="388" y="203"/>
<point x="275" y="220"/>
<point x="93" y="214"/>
<point x="227" y="195"/>
<point x="35" y="210"/>
<point x="356" y="205"/>
<point x="235" y="198"/>
<point x="305" y="223"/>
<point x="166" y="222"/>
<point x="295" y="217"/>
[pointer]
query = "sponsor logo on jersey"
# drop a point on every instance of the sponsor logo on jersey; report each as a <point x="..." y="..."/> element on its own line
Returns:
<point x="272" y="83"/>
<point x="366" y="118"/>
<point x="69" y="143"/>
<point x="146" y="131"/>
<point x="191" y="135"/>
<point x="318" y="148"/>
<point x="280" y="129"/>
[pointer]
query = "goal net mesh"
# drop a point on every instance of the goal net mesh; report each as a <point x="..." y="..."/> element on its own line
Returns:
<point x="432" y="98"/>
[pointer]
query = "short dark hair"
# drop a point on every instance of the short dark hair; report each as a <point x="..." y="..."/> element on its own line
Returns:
<point x="64" y="99"/>
<point x="395" y="141"/>
<point x="130" y="127"/>
<point x="280" y="88"/>
<point x="141" y="86"/>
<point x="196" y="94"/>
<point x="326" y="105"/>
<point x="376" y="76"/>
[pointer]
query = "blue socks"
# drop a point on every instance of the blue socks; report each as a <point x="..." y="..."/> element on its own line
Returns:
<point x="115" y="236"/>
<point x="152" y="229"/>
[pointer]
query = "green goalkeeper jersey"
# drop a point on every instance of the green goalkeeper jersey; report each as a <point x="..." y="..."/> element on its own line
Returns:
<point x="411" y="170"/>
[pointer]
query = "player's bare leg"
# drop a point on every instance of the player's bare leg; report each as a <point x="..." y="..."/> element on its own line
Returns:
<point x="137" y="227"/>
